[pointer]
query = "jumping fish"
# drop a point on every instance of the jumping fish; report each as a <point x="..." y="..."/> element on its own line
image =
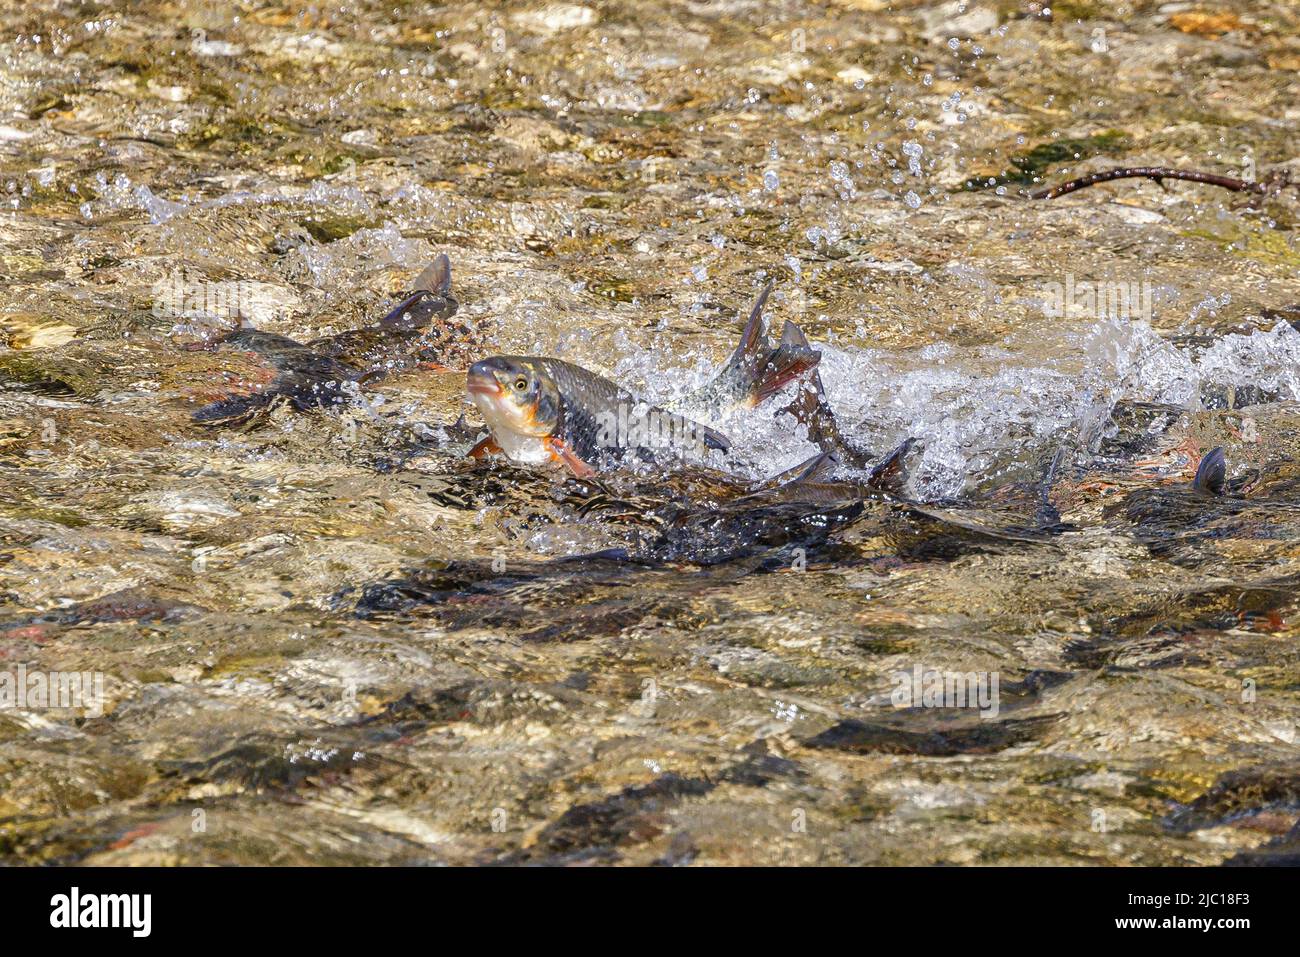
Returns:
<point x="539" y="409"/>
<point x="547" y="410"/>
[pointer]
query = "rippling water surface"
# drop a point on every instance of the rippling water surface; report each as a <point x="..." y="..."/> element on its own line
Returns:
<point x="326" y="637"/>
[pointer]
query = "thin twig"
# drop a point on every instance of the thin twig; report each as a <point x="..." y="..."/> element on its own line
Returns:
<point x="1159" y="174"/>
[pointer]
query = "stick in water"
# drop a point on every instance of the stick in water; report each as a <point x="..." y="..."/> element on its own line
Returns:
<point x="1270" y="184"/>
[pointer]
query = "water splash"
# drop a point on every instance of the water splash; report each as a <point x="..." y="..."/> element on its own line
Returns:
<point x="987" y="413"/>
<point x="993" y="410"/>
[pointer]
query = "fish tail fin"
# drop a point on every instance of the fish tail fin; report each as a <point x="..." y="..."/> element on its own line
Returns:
<point x="1212" y="473"/>
<point x="436" y="277"/>
<point x="752" y="341"/>
<point x="777" y="368"/>
<point x="231" y="410"/>
<point x="755" y="370"/>
<point x="430" y="296"/>
<point x="765" y="370"/>
<point x="890" y="473"/>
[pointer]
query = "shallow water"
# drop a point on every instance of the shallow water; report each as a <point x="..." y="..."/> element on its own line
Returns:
<point x="327" y="638"/>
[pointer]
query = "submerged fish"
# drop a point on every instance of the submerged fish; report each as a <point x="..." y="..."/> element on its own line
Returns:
<point x="297" y="374"/>
<point x="814" y="480"/>
<point x="328" y="371"/>
<point x="539" y="409"/>
<point x="408" y="333"/>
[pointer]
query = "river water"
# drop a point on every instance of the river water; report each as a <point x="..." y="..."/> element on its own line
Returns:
<point x="326" y="637"/>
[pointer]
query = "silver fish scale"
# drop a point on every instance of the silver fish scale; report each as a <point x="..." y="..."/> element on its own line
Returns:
<point x="588" y="397"/>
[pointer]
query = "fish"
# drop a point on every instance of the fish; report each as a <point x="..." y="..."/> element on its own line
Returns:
<point x="417" y="330"/>
<point x="811" y="410"/>
<point x="1212" y="473"/>
<point x="539" y="409"/>
<point x="756" y="370"/>
<point x="430" y="298"/>
<point x="328" y="371"/>
<point x="299" y="375"/>
<point x="814" y="480"/>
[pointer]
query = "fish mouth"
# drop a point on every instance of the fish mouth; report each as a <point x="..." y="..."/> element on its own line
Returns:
<point x="481" y="380"/>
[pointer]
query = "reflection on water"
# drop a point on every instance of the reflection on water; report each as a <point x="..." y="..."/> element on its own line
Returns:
<point x="325" y="637"/>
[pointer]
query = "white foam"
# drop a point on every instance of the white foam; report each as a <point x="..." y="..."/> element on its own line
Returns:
<point x="981" y="412"/>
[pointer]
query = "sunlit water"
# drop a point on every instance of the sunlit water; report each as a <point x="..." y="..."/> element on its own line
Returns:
<point x="326" y="637"/>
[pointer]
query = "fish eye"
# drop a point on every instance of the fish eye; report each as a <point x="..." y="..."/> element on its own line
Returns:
<point x="521" y="384"/>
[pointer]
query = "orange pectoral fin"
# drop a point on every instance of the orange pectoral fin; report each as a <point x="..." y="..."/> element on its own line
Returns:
<point x="487" y="446"/>
<point x="562" y="453"/>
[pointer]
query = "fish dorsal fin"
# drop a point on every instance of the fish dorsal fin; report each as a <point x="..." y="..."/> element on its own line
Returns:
<point x="436" y="277"/>
<point x="1047" y="512"/>
<point x="820" y="468"/>
<point x="752" y="339"/>
<point x="713" y="439"/>
<point x="1212" y="473"/>
<point x="890" y="475"/>
<point x="792" y="335"/>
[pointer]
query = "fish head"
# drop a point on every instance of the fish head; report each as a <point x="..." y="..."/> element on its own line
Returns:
<point x="514" y="395"/>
